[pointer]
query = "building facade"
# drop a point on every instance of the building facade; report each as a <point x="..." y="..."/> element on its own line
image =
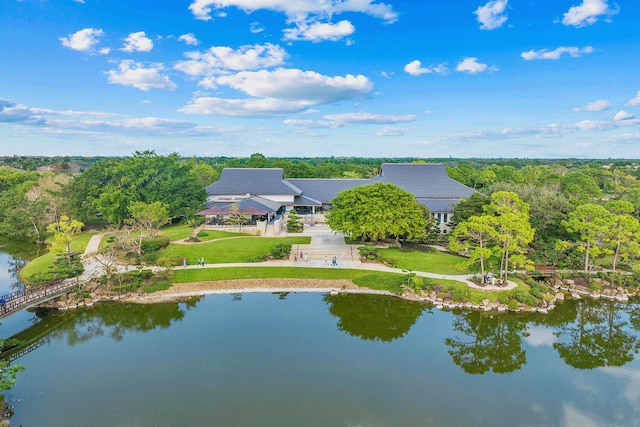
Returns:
<point x="268" y="191"/>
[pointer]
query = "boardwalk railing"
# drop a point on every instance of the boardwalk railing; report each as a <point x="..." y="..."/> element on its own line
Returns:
<point x="15" y="355"/>
<point x="15" y="301"/>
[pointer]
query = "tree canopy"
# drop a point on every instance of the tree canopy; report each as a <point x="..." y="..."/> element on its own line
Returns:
<point x="110" y="187"/>
<point x="377" y="211"/>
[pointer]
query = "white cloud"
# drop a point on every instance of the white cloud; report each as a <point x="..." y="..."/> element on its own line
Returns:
<point x="252" y="107"/>
<point x="137" y="42"/>
<point x="392" y="131"/>
<point x="189" y="39"/>
<point x="599" y="105"/>
<point x="369" y="118"/>
<point x="134" y="74"/>
<point x="587" y="13"/>
<point x="635" y="101"/>
<point x="310" y="124"/>
<point x="415" y="68"/>
<point x="340" y="120"/>
<point x="491" y="15"/>
<point x="319" y="31"/>
<point x="540" y="336"/>
<point x="572" y="51"/>
<point x="82" y="40"/>
<point x="550" y="130"/>
<point x="311" y="19"/>
<point x="221" y="59"/>
<point x="202" y="9"/>
<point x="294" y="84"/>
<point x="472" y="66"/>
<point x="256" y="28"/>
<point x="623" y="115"/>
<point x="282" y="91"/>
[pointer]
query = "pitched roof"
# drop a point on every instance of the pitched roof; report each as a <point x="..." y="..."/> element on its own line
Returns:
<point x="325" y="190"/>
<point x="253" y="181"/>
<point x="252" y="206"/>
<point x="423" y="180"/>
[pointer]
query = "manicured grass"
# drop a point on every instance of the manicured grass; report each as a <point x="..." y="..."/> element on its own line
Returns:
<point x="44" y="262"/>
<point x="391" y="282"/>
<point x="369" y="279"/>
<point x="432" y="262"/>
<point x="183" y="231"/>
<point x="219" y="234"/>
<point x="242" y="249"/>
<point x="176" y="231"/>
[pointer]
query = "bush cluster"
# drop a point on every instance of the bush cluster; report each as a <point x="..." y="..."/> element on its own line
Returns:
<point x="61" y="269"/>
<point x="154" y="244"/>
<point x="280" y="251"/>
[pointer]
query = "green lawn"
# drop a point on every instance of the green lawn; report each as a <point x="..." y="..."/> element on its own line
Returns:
<point x="242" y="249"/>
<point x="219" y="234"/>
<point x="42" y="263"/>
<point x="182" y="231"/>
<point x="432" y="262"/>
<point x="369" y="279"/>
<point x="176" y="231"/>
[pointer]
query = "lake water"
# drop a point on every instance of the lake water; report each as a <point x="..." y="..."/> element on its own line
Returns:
<point x="320" y="360"/>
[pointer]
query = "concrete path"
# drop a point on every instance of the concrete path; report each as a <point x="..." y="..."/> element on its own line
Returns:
<point x="325" y="244"/>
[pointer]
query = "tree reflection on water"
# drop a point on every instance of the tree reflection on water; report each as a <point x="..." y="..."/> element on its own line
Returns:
<point x="374" y="317"/>
<point x="489" y="342"/>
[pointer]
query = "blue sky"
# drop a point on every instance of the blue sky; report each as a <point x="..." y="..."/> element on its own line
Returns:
<point x="461" y="78"/>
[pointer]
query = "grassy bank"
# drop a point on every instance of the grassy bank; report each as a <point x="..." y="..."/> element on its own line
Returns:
<point x="431" y="261"/>
<point x="43" y="263"/>
<point x="391" y="282"/>
<point x="373" y="280"/>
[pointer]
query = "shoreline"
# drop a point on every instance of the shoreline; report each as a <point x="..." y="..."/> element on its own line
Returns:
<point x="181" y="291"/>
<point x="220" y="287"/>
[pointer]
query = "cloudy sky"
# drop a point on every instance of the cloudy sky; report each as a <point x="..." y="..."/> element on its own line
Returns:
<point x="422" y="78"/>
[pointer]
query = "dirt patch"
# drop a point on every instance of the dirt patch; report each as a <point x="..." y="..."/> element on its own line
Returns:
<point x="180" y="290"/>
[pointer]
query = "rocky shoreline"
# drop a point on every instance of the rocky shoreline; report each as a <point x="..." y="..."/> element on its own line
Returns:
<point x="566" y="288"/>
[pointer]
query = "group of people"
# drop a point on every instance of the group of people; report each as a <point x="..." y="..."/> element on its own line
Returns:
<point x="334" y="261"/>
<point x="200" y="262"/>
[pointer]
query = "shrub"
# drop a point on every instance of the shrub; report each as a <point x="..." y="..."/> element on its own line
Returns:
<point x="525" y="297"/>
<point x="368" y="253"/>
<point x="158" y="286"/>
<point x="460" y="295"/>
<point x="390" y="262"/>
<point x="60" y="270"/>
<point x="280" y="251"/>
<point x="154" y="244"/>
<point x="169" y="261"/>
<point x="126" y="287"/>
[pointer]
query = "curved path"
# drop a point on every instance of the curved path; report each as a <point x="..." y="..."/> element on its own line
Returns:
<point x="324" y="245"/>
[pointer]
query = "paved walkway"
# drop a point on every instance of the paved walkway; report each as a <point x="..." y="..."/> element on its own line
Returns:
<point x="325" y="244"/>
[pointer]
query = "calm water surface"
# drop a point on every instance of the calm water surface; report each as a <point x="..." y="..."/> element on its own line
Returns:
<point x="320" y="360"/>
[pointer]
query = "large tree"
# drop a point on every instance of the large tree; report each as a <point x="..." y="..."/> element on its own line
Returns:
<point x="623" y="232"/>
<point x="590" y="222"/>
<point x="63" y="231"/>
<point x="111" y="186"/>
<point x="377" y="211"/>
<point x="513" y="230"/>
<point x="473" y="237"/>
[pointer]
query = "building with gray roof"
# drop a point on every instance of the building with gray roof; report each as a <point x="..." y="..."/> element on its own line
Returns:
<point x="428" y="182"/>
